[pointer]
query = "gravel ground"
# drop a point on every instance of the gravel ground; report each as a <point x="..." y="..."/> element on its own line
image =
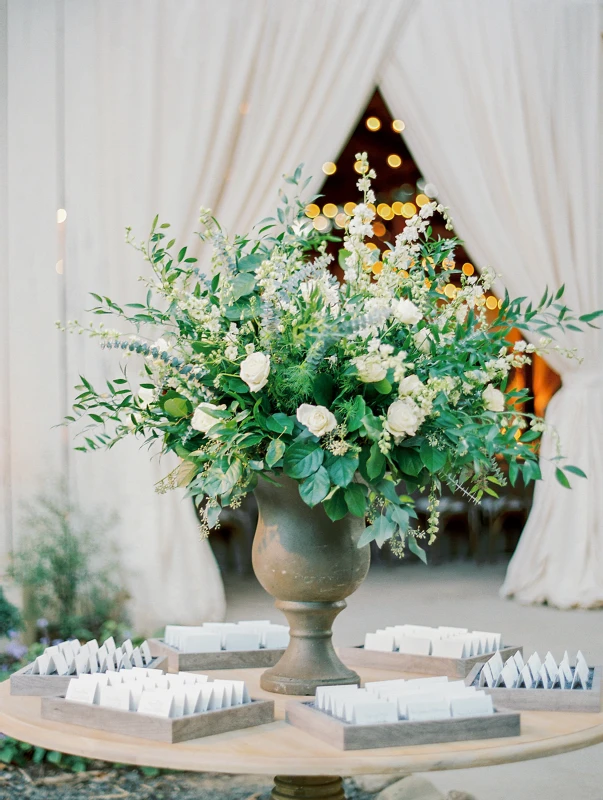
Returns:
<point x="104" y="783"/>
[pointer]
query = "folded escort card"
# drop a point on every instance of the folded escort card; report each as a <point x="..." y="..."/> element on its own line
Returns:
<point x="215" y="637"/>
<point x="514" y="673"/>
<point x="149" y="691"/>
<point x="73" y="658"/>
<point x="380" y="702"/>
<point x="421" y="640"/>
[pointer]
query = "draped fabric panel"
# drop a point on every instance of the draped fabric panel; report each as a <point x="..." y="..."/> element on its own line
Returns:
<point x="502" y="104"/>
<point x="119" y="111"/>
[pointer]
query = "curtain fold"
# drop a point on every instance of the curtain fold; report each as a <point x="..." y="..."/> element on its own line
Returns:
<point x="140" y="108"/>
<point x="502" y="105"/>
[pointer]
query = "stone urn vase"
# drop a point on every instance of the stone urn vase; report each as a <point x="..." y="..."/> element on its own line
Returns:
<point x="310" y="565"/>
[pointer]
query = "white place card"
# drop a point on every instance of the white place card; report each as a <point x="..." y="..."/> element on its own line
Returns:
<point x="99" y="679"/>
<point x="518" y="658"/>
<point x="110" y="644"/>
<point x="92" y="662"/>
<point x="422" y="710"/>
<point x="146" y="652"/>
<point x="228" y="687"/>
<point x="205" y="698"/>
<point x="323" y="693"/>
<point x="509" y="674"/>
<point x="525" y="678"/>
<point x="374" y="713"/>
<point x="127" y="647"/>
<point x="415" y="645"/>
<point x="192" y="696"/>
<point x="534" y="664"/>
<point x="117" y="697"/>
<point x="582" y="672"/>
<point x="82" y="663"/>
<point x="155" y="673"/>
<point x="136" y="658"/>
<point x="580" y="658"/>
<point x="448" y="648"/>
<point x="127" y="675"/>
<point x="485" y="676"/>
<point x="158" y="703"/>
<point x="380" y="641"/>
<point x="114" y="678"/>
<point x="92" y="645"/>
<point x="550" y="663"/>
<point x="136" y="690"/>
<point x="477" y="704"/>
<point x="448" y="630"/>
<point x="80" y="691"/>
<point x="161" y="681"/>
<point x="236" y="641"/>
<point x="543" y="676"/>
<point x="201" y="643"/>
<point x="565" y="672"/>
<point x="217" y="698"/>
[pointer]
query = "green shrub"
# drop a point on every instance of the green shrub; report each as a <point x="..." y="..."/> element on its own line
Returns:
<point x="10" y="616"/>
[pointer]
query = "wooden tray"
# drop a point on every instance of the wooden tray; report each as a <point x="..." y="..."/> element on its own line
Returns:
<point x="146" y="726"/>
<point x="24" y="683"/>
<point x="545" y="699"/>
<point x="225" y="659"/>
<point x="346" y="736"/>
<point x="427" y="665"/>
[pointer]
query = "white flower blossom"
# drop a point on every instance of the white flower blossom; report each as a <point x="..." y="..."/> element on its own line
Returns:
<point x="404" y="418"/>
<point x="202" y="421"/>
<point x="317" y="419"/>
<point x="371" y="369"/>
<point x="494" y="399"/>
<point x="255" y="370"/>
<point x="407" y="312"/>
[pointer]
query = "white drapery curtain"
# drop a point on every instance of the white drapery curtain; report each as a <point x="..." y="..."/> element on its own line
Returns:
<point x="502" y="104"/>
<point x="117" y="111"/>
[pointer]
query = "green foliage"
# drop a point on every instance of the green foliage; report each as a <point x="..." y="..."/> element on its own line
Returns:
<point x="68" y="579"/>
<point x="10" y="616"/>
<point x="363" y="391"/>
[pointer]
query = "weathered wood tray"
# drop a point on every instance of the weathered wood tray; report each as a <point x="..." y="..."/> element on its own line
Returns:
<point x="24" y="682"/>
<point x="159" y="729"/>
<point x="225" y="659"/>
<point x="545" y="699"/>
<point x="346" y="736"/>
<point x="426" y="665"/>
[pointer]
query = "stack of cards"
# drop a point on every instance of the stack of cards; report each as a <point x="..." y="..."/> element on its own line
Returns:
<point x="151" y="691"/>
<point x="421" y="640"/>
<point x="515" y="673"/>
<point x="214" y="637"/>
<point x="72" y="658"/>
<point x="418" y="700"/>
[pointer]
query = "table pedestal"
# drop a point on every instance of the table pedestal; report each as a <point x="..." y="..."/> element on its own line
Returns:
<point x="321" y="788"/>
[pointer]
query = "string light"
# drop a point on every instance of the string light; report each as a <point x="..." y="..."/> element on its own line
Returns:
<point x="397" y="208"/>
<point x="329" y="168"/>
<point x="421" y="200"/>
<point x="377" y="267"/>
<point x="372" y="207"/>
<point x="61" y="215"/>
<point x="398" y="126"/>
<point x="491" y="302"/>
<point x="312" y="210"/>
<point x="379" y="229"/>
<point x="341" y="220"/>
<point x="409" y="210"/>
<point x="394" y="160"/>
<point x="330" y="210"/>
<point x="450" y="290"/>
<point x="371" y="246"/>
<point x="349" y="208"/>
<point x="468" y="269"/>
<point x="321" y="223"/>
<point x="59" y="266"/>
<point x="373" y="123"/>
<point x="360" y="167"/>
<point x="385" y="211"/>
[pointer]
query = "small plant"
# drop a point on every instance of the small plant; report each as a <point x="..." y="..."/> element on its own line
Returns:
<point x="10" y="616"/>
<point x="70" y="590"/>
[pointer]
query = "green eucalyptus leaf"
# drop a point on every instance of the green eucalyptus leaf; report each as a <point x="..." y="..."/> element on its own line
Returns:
<point x="417" y="549"/>
<point x="336" y="506"/>
<point x="375" y="466"/>
<point x="355" y="499"/>
<point x="249" y="263"/>
<point x="575" y="471"/>
<point x="315" y="488"/>
<point x="562" y="478"/>
<point x="177" y="407"/>
<point x="242" y="285"/>
<point x="275" y="452"/>
<point x="342" y="468"/>
<point x="302" y="459"/>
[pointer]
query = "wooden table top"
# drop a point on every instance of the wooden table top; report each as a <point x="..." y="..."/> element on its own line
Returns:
<point x="280" y="749"/>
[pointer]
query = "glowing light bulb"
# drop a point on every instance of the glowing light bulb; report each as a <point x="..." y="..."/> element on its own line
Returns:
<point x="491" y="302"/>
<point x="349" y="208"/>
<point x="312" y="210"/>
<point x="329" y="168"/>
<point x="397" y="208"/>
<point x="321" y="223"/>
<point x="330" y="210"/>
<point x="360" y="167"/>
<point x="341" y="220"/>
<point x="409" y="210"/>
<point x="421" y="200"/>
<point x="373" y="123"/>
<point x="378" y="229"/>
<point x="468" y="268"/>
<point x="398" y="126"/>
<point x="61" y="215"/>
<point x="394" y="160"/>
<point x="59" y="266"/>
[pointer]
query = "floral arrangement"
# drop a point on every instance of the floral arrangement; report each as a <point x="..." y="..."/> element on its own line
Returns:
<point x="364" y="390"/>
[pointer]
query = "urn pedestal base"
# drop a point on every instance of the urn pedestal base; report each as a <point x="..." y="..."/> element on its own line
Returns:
<point x="310" y="659"/>
<point x="307" y="788"/>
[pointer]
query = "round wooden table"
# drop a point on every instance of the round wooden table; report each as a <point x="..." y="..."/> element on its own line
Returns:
<point x="305" y="767"/>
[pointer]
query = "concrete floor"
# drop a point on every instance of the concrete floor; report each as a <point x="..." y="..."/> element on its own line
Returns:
<point x="466" y="595"/>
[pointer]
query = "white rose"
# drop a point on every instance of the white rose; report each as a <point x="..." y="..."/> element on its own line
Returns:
<point x="404" y="418"/>
<point x="422" y="340"/>
<point x="317" y="419"/>
<point x="409" y="385"/>
<point x="202" y="421"/>
<point x="407" y="312"/>
<point x="255" y="370"/>
<point x="146" y="396"/>
<point x="370" y="369"/>
<point x="494" y="399"/>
